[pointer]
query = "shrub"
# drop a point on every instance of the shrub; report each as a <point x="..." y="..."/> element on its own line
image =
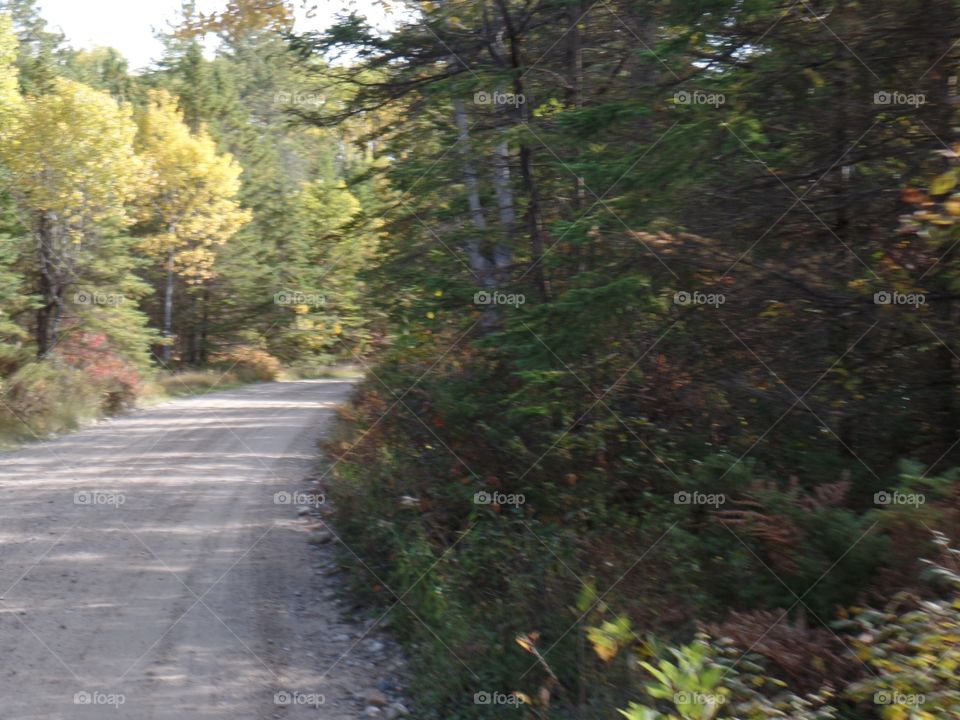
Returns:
<point x="249" y="363"/>
<point x="83" y="378"/>
<point x="596" y="504"/>
<point x="910" y="651"/>
<point x="701" y="681"/>
<point x="914" y="655"/>
<point x="113" y="376"/>
<point x="43" y="398"/>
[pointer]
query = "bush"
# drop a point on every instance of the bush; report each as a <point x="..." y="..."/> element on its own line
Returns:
<point x="910" y="651"/>
<point x="250" y="364"/>
<point x="44" y="398"/>
<point x="914" y="654"/>
<point x="84" y="378"/>
<point x="481" y="575"/>
<point x="703" y="681"/>
<point x="112" y="375"/>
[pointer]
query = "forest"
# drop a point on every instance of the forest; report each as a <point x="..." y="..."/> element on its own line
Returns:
<point x="656" y="303"/>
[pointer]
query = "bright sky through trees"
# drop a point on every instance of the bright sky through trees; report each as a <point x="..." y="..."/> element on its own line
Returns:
<point x="128" y="26"/>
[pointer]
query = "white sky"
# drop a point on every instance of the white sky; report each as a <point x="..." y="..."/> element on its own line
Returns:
<point x="127" y="25"/>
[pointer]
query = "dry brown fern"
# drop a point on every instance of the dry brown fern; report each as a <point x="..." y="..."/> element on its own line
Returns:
<point x="778" y="534"/>
<point x="798" y="654"/>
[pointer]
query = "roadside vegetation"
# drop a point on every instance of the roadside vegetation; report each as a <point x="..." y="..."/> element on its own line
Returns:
<point x="668" y="421"/>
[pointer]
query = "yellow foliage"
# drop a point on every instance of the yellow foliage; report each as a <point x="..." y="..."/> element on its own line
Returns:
<point x="11" y="104"/>
<point x="72" y="156"/>
<point x="190" y="193"/>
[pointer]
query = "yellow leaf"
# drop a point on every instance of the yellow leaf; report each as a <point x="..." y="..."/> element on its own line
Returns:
<point x="943" y="183"/>
<point x="527" y="641"/>
<point x="522" y="697"/>
<point x="604" y="646"/>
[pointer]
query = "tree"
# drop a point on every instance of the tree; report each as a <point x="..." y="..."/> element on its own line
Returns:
<point x="188" y="208"/>
<point x="320" y="281"/>
<point x="11" y="104"/>
<point x="103" y="68"/>
<point x="247" y="97"/>
<point x="758" y="153"/>
<point x="73" y="169"/>
<point x="39" y="51"/>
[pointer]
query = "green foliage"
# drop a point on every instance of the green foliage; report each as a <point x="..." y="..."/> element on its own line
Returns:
<point x="690" y="683"/>
<point x="321" y="288"/>
<point x="605" y="395"/>
<point x="14" y="339"/>
<point x="914" y="655"/>
<point x="911" y="660"/>
<point x="701" y="684"/>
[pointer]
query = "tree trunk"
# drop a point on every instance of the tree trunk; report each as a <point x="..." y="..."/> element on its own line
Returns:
<point x="167" y="351"/>
<point x="478" y="261"/>
<point x="575" y="100"/>
<point x="503" y="250"/>
<point x="47" y="314"/>
<point x="534" y="213"/>
<point x="534" y="222"/>
<point x="204" y="325"/>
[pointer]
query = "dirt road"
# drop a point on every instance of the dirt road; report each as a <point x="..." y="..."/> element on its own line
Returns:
<point x="157" y="566"/>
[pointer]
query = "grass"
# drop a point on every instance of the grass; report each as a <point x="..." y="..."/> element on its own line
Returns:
<point x="191" y="383"/>
<point x="323" y="372"/>
<point x="53" y="404"/>
<point x="46" y="402"/>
